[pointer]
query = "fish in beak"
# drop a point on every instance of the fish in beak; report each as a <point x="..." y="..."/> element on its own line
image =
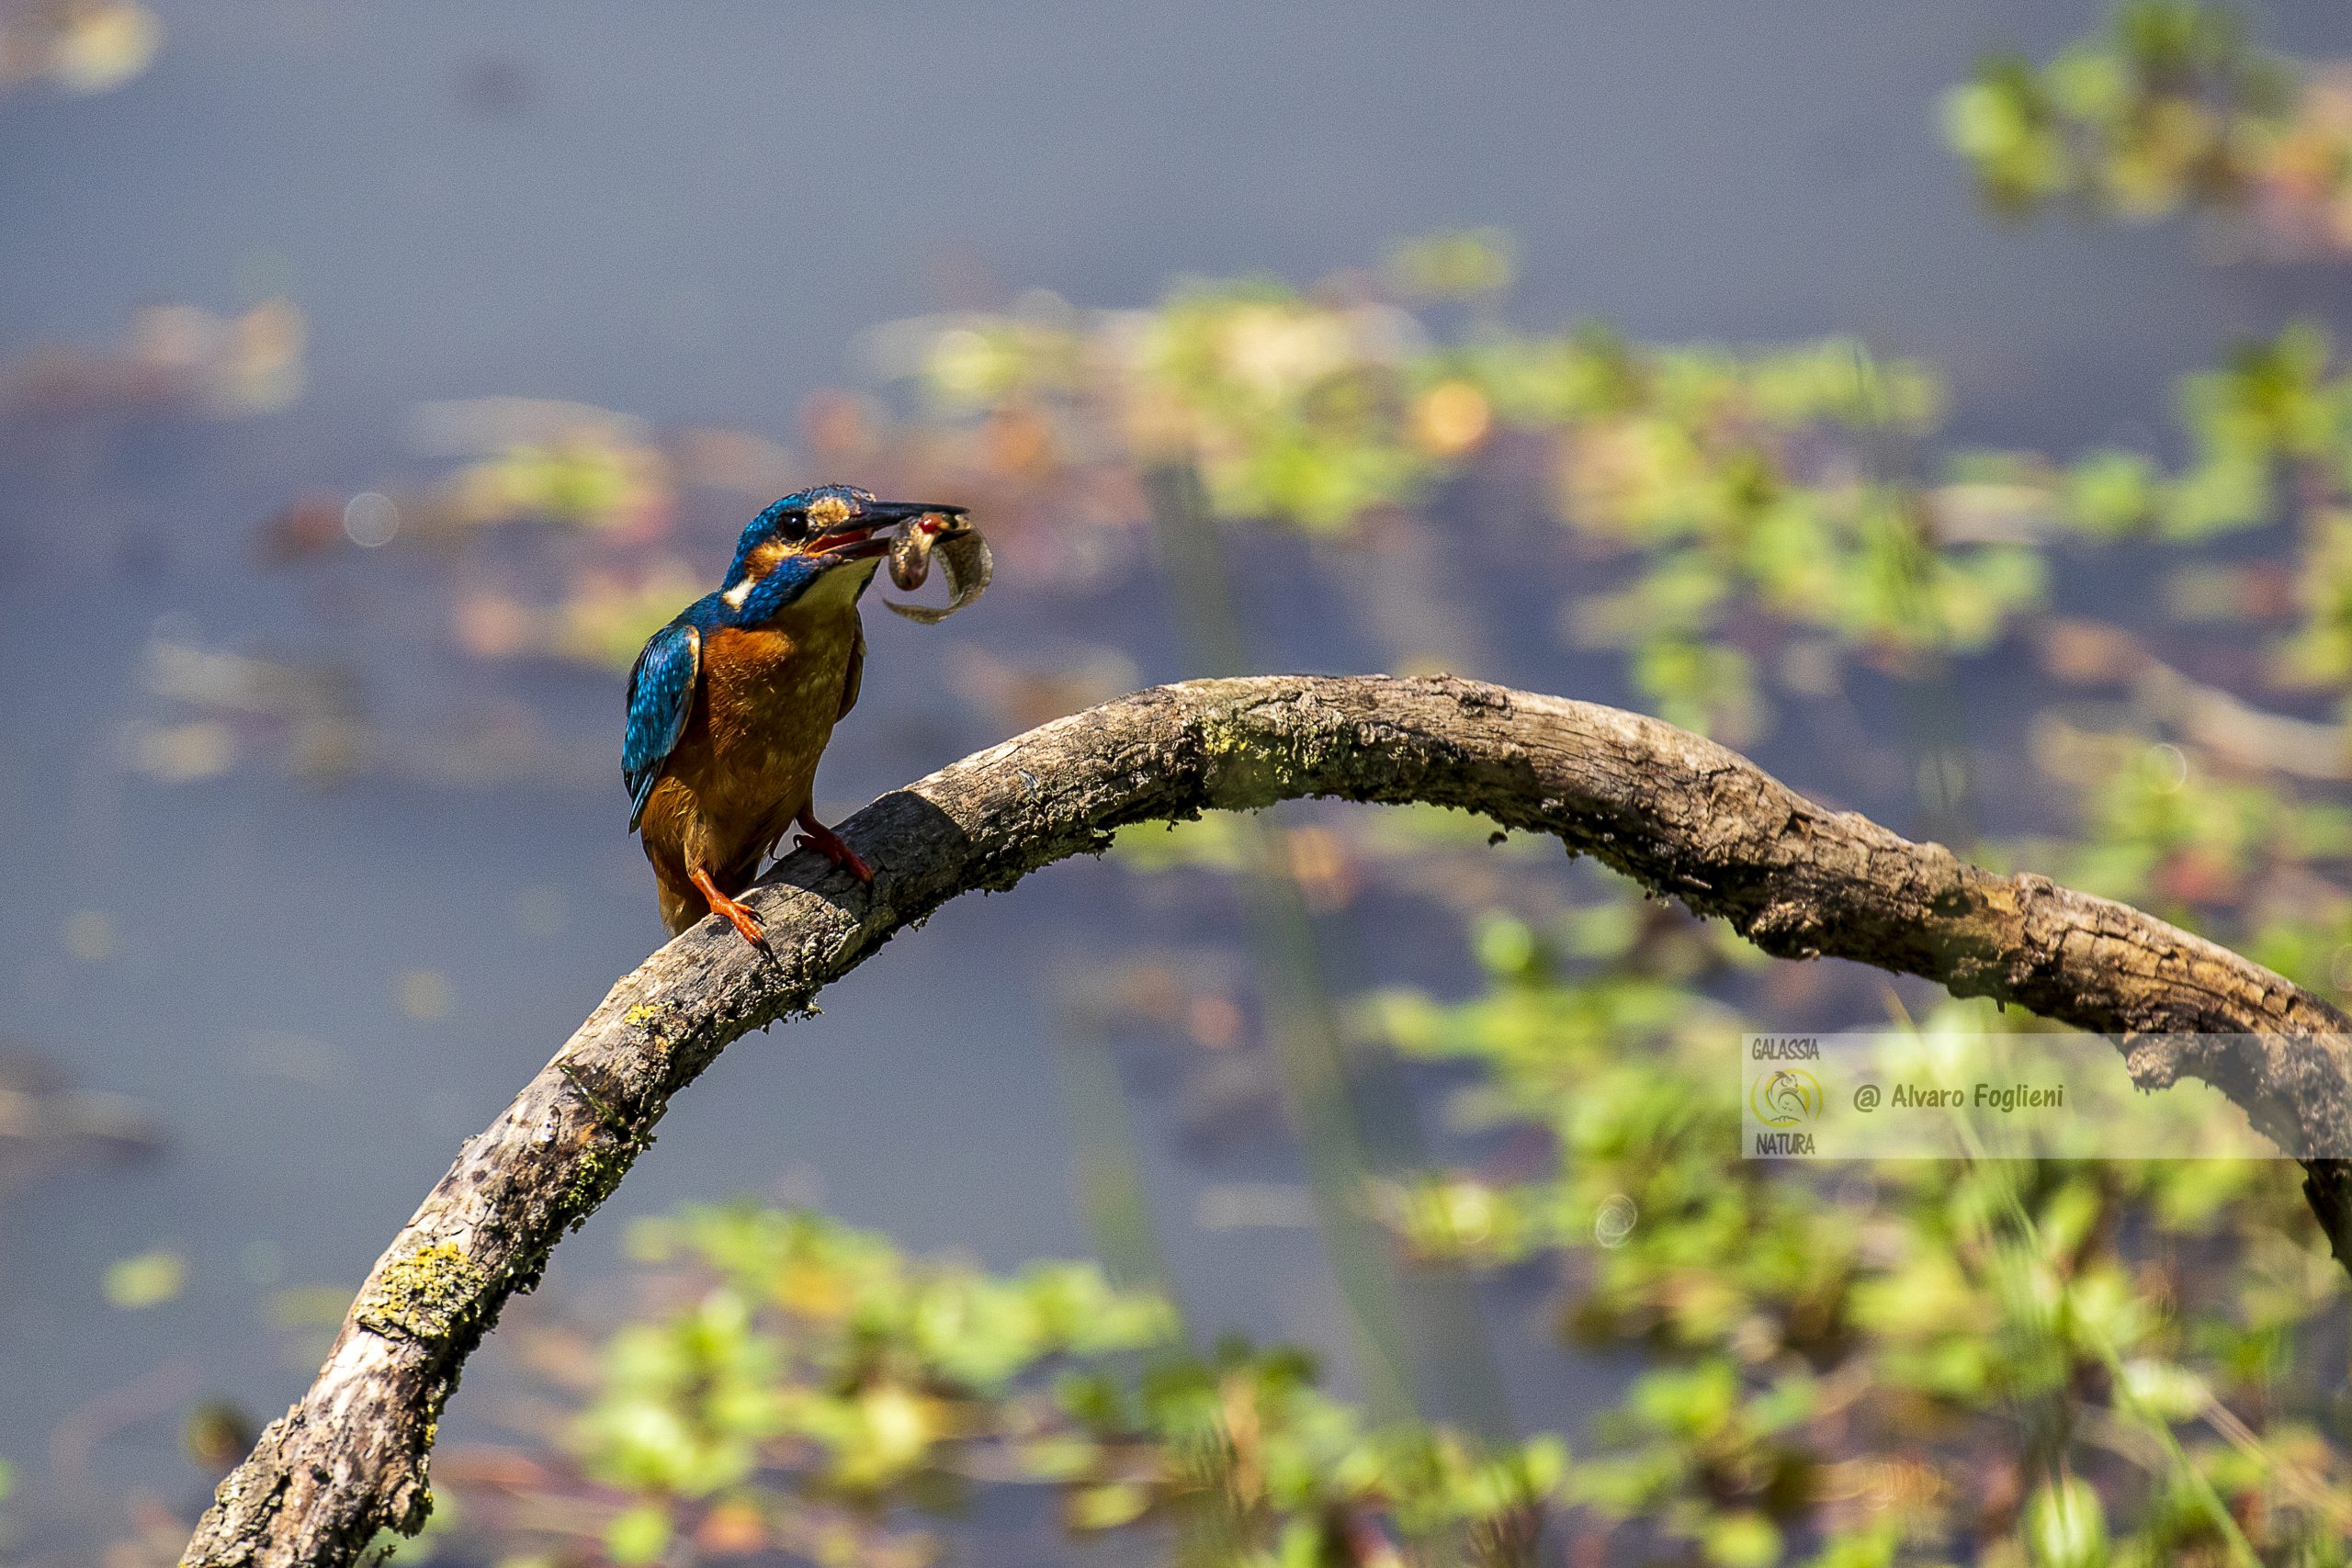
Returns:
<point x="872" y="528"/>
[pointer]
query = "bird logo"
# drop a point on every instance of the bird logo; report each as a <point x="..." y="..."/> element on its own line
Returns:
<point x="1785" y="1097"/>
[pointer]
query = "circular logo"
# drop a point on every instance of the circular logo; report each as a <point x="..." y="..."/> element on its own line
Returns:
<point x="1785" y="1097"/>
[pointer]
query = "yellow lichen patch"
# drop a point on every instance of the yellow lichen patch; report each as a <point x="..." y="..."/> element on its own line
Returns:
<point x="643" y="1014"/>
<point x="424" y="1294"/>
<point x="600" y="1170"/>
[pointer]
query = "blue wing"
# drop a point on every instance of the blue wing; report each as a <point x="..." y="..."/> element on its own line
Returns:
<point x="661" y="695"/>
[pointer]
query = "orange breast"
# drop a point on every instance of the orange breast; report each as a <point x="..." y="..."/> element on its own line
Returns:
<point x="747" y="762"/>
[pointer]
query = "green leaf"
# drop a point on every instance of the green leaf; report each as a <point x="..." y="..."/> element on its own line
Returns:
<point x="2164" y="1390"/>
<point x="1741" y="1540"/>
<point x="1107" y="1506"/>
<point x="2065" y="1527"/>
<point x="151" y="1279"/>
<point x="638" y="1535"/>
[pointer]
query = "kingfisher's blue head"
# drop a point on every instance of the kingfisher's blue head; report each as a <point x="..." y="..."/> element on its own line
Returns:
<point x="832" y="533"/>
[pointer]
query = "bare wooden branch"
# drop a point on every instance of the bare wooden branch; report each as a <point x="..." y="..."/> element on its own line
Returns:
<point x="1681" y="815"/>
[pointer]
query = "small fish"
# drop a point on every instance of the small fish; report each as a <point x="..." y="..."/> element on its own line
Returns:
<point x="962" y="555"/>
<point x="911" y="554"/>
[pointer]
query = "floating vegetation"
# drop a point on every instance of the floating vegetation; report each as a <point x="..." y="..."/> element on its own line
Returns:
<point x="149" y="1280"/>
<point x="2172" y="107"/>
<point x="812" y="1390"/>
<point x="178" y="360"/>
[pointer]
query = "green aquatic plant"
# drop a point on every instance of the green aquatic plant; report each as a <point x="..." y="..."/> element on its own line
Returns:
<point x="2270" y="424"/>
<point x="2172" y="104"/>
<point x="811" y="1390"/>
<point x="2172" y="107"/>
<point x="1728" y="485"/>
<point x="1830" y="1345"/>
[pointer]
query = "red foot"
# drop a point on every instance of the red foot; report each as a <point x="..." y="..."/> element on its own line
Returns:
<point x="815" y="836"/>
<point x="734" y="913"/>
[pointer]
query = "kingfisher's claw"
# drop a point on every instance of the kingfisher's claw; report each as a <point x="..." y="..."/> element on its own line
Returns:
<point x="815" y="835"/>
<point x="734" y="912"/>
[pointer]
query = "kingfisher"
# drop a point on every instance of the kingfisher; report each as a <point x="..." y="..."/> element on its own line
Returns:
<point x="731" y="704"/>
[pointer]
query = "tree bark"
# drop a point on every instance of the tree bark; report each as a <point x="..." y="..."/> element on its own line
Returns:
<point x="1679" y="814"/>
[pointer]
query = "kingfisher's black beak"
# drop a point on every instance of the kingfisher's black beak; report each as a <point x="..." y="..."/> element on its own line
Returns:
<point x="888" y="514"/>
<point x="866" y="532"/>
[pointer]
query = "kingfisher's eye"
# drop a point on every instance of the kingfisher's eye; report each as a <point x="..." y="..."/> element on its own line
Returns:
<point x="793" y="525"/>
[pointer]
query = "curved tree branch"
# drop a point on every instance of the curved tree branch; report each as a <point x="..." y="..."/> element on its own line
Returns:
<point x="1679" y="814"/>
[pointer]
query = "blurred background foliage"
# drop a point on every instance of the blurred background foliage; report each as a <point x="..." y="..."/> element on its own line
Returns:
<point x="2173" y="105"/>
<point x="1528" y="1164"/>
<point x="82" y="46"/>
